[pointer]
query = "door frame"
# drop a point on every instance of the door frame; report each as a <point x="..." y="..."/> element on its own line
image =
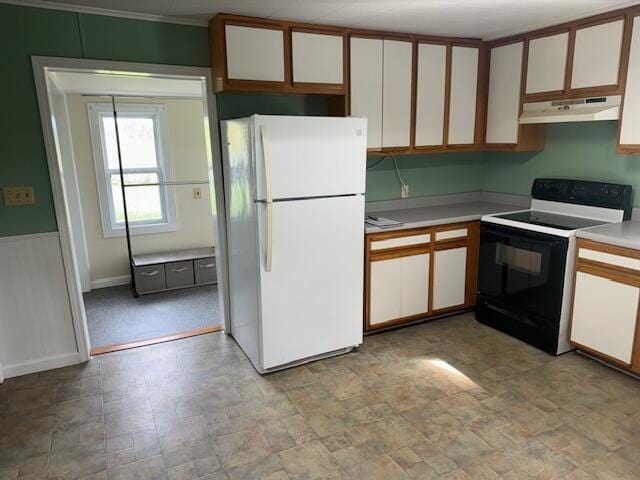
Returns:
<point x="41" y="67"/>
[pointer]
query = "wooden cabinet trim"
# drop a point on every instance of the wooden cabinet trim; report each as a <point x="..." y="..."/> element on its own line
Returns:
<point x="607" y="248"/>
<point x="390" y="253"/>
<point x="601" y="355"/>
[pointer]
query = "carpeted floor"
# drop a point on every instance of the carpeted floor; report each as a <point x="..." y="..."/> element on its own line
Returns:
<point x="115" y="316"/>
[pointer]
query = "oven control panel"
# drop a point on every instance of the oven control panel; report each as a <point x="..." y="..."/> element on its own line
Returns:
<point x="582" y="192"/>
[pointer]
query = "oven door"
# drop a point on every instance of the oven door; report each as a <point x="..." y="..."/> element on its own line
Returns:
<point x="522" y="272"/>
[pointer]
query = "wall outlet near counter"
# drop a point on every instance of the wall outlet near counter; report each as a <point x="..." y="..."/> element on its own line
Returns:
<point x="15" y="196"/>
<point x="404" y="192"/>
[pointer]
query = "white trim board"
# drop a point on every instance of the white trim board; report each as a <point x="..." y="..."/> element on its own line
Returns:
<point x="40" y="365"/>
<point x="107" y="12"/>
<point x="110" y="282"/>
<point x="42" y="66"/>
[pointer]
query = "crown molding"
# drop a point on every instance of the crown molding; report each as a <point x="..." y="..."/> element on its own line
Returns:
<point x="107" y="12"/>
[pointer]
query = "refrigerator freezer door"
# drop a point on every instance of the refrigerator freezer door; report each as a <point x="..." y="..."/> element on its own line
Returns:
<point x="312" y="298"/>
<point x="310" y="156"/>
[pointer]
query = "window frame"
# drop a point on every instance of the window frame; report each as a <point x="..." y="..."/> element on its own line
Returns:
<point x="110" y="227"/>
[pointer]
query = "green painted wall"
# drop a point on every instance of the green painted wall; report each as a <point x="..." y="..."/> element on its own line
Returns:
<point x="434" y="174"/>
<point x="34" y="31"/>
<point x="574" y="150"/>
<point x="232" y="105"/>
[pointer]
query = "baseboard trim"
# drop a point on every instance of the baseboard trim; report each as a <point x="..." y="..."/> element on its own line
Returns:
<point x="40" y="364"/>
<point x="143" y="343"/>
<point x="110" y="282"/>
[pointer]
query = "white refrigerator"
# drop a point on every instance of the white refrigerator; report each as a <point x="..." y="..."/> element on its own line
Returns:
<point x="294" y="189"/>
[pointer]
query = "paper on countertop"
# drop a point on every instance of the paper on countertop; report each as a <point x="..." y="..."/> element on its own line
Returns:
<point x="381" y="222"/>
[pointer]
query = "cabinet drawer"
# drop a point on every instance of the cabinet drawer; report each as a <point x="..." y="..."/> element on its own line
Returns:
<point x="609" y="258"/>
<point x="451" y="234"/>
<point x="408" y="241"/>
<point x="149" y="278"/>
<point x="205" y="270"/>
<point x="179" y="274"/>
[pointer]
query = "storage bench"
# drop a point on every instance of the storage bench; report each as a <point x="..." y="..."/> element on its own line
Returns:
<point x="157" y="272"/>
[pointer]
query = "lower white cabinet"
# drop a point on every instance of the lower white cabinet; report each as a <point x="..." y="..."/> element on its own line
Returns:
<point x="604" y="316"/>
<point x="417" y="273"/>
<point x="449" y="277"/>
<point x="399" y="288"/>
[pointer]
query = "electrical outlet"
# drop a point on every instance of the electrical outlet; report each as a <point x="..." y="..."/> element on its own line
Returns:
<point x="405" y="191"/>
<point x="197" y="193"/>
<point x="15" y="196"/>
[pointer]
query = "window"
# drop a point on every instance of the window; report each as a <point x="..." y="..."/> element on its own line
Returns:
<point x="150" y="207"/>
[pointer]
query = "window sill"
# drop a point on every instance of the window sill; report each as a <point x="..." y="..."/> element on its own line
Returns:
<point x="150" y="229"/>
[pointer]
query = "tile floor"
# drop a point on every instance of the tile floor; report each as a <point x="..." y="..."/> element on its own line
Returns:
<point x="448" y="399"/>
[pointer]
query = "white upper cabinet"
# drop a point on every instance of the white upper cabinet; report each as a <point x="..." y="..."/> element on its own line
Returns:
<point x="430" y="99"/>
<point x="503" y="109"/>
<point x="317" y="57"/>
<point x="366" y="58"/>
<point x="396" y="93"/>
<point x="546" y="65"/>
<point x="254" y="53"/>
<point x="629" y="129"/>
<point x="596" y="58"/>
<point x="464" y="87"/>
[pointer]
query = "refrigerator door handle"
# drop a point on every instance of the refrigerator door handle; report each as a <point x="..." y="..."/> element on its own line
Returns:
<point x="268" y="198"/>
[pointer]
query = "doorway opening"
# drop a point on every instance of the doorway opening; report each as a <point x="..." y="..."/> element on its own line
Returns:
<point x="135" y="154"/>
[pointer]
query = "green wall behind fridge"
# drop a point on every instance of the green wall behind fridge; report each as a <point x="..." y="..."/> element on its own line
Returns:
<point x="573" y="150"/>
<point x="26" y="31"/>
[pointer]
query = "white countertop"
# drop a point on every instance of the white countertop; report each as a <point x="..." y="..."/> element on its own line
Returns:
<point x="440" y="214"/>
<point x="623" y="234"/>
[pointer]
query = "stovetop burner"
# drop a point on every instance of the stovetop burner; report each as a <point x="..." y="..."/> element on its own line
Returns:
<point x="552" y="220"/>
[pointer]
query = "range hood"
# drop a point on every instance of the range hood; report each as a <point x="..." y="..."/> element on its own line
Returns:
<point x="574" y="110"/>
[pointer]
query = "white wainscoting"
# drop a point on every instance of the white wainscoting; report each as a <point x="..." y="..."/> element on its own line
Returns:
<point x="36" y="326"/>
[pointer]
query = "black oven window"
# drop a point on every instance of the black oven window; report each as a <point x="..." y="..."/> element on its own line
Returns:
<point x="519" y="259"/>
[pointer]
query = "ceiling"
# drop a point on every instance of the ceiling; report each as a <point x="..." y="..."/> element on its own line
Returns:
<point x="486" y="19"/>
<point x="113" y="84"/>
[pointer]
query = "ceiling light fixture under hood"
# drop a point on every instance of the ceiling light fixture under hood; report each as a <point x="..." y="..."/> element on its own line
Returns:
<point x="575" y="110"/>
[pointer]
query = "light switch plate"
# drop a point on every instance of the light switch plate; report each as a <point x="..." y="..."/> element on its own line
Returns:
<point x="15" y="196"/>
<point x="197" y="193"/>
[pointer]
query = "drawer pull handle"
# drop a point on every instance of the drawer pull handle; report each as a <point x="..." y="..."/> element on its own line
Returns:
<point x="208" y="265"/>
<point x="179" y="270"/>
<point x="150" y="274"/>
